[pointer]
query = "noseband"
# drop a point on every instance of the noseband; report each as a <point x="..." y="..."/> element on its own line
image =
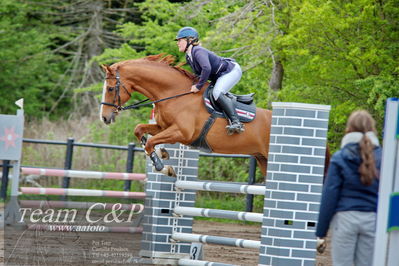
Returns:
<point x="117" y="97"/>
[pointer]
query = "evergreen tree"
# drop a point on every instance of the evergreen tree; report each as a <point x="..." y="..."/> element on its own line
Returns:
<point x="28" y="68"/>
<point x="47" y="49"/>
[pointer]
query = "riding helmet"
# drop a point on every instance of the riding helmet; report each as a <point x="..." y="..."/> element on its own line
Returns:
<point x="187" y="32"/>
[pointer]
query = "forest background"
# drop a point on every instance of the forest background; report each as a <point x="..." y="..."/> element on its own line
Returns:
<point x="339" y="53"/>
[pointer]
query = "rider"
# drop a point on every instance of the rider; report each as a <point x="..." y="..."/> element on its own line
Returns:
<point x="223" y="72"/>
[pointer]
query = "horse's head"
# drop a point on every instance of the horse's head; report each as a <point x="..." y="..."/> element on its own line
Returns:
<point x="153" y="76"/>
<point x="115" y="95"/>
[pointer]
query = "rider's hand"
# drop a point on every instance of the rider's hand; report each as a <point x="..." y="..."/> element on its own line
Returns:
<point x="321" y="245"/>
<point x="194" y="89"/>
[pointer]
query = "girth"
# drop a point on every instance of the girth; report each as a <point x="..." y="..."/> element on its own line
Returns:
<point x="201" y="143"/>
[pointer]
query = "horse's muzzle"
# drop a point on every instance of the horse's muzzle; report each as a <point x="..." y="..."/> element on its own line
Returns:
<point x="110" y="119"/>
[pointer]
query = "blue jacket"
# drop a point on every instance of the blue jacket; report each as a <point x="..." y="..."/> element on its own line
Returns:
<point x="207" y="65"/>
<point x="343" y="190"/>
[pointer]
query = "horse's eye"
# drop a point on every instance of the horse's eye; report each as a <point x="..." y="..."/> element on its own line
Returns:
<point x="110" y="89"/>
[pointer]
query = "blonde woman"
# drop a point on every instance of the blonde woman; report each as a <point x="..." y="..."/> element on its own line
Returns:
<point x="350" y="194"/>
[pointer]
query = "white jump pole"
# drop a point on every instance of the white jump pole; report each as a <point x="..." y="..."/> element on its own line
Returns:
<point x="387" y="241"/>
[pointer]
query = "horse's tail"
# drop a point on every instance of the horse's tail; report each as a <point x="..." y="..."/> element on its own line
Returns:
<point x="326" y="162"/>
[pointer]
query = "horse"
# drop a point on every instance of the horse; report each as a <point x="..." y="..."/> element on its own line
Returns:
<point x="178" y="119"/>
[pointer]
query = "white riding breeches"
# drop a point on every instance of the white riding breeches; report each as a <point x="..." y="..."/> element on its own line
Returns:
<point x="227" y="81"/>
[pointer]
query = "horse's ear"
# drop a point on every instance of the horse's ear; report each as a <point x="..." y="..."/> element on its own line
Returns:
<point x="106" y="68"/>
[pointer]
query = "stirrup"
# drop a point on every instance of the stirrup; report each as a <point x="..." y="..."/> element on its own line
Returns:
<point x="235" y="128"/>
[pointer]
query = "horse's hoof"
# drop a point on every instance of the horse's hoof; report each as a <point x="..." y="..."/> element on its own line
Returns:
<point x="169" y="171"/>
<point x="163" y="153"/>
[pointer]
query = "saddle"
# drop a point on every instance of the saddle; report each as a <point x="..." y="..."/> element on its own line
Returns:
<point x="243" y="104"/>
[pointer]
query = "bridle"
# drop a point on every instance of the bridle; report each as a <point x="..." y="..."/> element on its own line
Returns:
<point x="117" y="89"/>
<point x="119" y="107"/>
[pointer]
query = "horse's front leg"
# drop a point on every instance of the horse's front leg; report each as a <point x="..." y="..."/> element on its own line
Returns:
<point x="142" y="129"/>
<point x="169" y="135"/>
<point x="152" y="129"/>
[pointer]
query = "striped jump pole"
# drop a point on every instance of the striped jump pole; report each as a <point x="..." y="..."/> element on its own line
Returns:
<point x="221" y="187"/>
<point x="82" y="192"/>
<point x="85" y="228"/>
<point x="233" y="215"/>
<point x="80" y="205"/>
<point x="82" y="174"/>
<point x="227" y="241"/>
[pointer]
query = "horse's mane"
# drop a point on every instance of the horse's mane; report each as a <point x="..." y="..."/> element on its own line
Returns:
<point x="168" y="60"/>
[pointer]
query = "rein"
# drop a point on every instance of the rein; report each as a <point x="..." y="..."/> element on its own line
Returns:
<point x="141" y="103"/>
<point x="137" y="104"/>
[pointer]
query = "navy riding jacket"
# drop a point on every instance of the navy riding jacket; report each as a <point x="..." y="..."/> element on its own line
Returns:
<point x="343" y="190"/>
<point x="207" y="65"/>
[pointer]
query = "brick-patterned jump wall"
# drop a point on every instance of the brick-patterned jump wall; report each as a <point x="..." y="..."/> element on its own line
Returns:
<point x="159" y="222"/>
<point x="293" y="184"/>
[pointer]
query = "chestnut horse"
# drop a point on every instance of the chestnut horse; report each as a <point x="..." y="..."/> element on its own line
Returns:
<point x="178" y="119"/>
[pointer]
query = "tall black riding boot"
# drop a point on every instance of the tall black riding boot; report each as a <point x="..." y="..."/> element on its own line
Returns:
<point x="227" y="105"/>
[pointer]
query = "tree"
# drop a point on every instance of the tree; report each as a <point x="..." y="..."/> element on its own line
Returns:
<point x="28" y="68"/>
<point x="88" y="28"/>
<point x="47" y="49"/>
<point x="219" y="30"/>
<point x="340" y="53"/>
